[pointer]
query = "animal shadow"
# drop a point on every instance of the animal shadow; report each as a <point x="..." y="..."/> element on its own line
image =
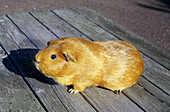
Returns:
<point x="22" y="59"/>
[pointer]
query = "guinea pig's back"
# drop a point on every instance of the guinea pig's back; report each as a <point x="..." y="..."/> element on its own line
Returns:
<point x="123" y="63"/>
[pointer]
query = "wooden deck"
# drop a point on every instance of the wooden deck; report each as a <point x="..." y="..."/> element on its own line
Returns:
<point x="23" y="88"/>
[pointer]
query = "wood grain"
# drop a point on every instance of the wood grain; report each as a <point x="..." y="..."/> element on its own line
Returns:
<point x="15" y="95"/>
<point x="21" y="59"/>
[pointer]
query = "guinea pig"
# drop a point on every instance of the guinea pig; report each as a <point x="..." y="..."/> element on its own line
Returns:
<point x="114" y="64"/>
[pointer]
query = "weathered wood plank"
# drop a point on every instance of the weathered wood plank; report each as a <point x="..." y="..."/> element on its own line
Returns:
<point x="7" y="41"/>
<point x="56" y="25"/>
<point x="55" y="92"/>
<point x="32" y="32"/>
<point x="146" y="100"/>
<point x="96" y="33"/>
<point x="156" y="74"/>
<point x="44" y="91"/>
<point x="90" y="27"/>
<point x="158" y="54"/>
<point x="15" y="34"/>
<point x="110" y="102"/>
<point x="154" y="90"/>
<point x="15" y="95"/>
<point x="56" y="28"/>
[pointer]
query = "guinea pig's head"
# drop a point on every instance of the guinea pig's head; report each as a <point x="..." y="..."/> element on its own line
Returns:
<point x="55" y="59"/>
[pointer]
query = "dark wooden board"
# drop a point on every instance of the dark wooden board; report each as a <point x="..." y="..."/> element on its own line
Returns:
<point x="56" y="25"/>
<point x="21" y="60"/>
<point x="15" y="95"/>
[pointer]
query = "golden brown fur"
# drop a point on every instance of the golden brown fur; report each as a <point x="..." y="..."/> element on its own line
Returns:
<point x="115" y="64"/>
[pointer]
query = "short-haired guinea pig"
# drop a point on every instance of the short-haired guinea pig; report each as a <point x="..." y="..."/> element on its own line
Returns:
<point x="114" y="65"/>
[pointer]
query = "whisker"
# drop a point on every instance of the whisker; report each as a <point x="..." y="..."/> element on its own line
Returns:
<point x="29" y="65"/>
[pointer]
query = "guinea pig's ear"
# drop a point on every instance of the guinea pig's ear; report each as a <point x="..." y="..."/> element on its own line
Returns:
<point x="49" y="42"/>
<point x="69" y="57"/>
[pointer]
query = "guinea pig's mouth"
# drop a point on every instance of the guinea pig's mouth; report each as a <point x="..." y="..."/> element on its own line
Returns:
<point x="36" y="64"/>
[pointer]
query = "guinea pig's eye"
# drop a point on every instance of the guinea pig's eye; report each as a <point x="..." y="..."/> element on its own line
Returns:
<point x="53" y="56"/>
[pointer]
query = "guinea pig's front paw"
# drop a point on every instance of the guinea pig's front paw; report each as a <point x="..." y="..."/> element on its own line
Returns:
<point x="72" y="91"/>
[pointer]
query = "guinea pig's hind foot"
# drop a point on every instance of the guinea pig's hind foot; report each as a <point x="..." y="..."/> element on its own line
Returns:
<point x="117" y="92"/>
